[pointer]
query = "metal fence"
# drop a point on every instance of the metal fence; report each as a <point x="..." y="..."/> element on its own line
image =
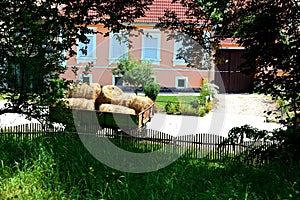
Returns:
<point x="200" y="145"/>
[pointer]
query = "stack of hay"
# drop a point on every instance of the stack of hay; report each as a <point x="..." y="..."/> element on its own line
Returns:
<point x="83" y="96"/>
<point x="109" y="98"/>
<point x="114" y="99"/>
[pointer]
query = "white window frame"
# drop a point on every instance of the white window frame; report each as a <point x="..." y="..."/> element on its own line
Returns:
<point x="147" y="36"/>
<point x="154" y="78"/>
<point x="114" y="82"/>
<point x="86" y="58"/>
<point x="90" y="76"/>
<point x="64" y="53"/>
<point x="206" y="56"/>
<point x="177" y="61"/>
<point x="123" y="45"/>
<point x="181" y="78"/>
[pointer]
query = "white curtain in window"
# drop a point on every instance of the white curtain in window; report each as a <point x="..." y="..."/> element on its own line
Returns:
<point x="118" y="46"/>
<point x="151" y="48"/>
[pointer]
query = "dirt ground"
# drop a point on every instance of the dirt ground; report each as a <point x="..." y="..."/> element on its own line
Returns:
<point x="245" y="104"/>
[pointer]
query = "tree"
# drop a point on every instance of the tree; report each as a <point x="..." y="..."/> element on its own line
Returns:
<point x="34" y="35"/>
<point x="135" y="72"/>
<point x="269" y="31"/>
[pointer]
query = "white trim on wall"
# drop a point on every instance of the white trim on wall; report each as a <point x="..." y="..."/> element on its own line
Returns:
<point x="89" y="76"/>
<point x="181" y="78"/>
<point x="114" y="80"/>
<point x="146" y="42"/>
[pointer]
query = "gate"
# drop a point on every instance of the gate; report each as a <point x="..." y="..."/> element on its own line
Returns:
<point x="228" y="73"/>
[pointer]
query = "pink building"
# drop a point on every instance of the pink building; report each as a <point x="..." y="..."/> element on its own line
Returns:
<point x="169" y="71"/>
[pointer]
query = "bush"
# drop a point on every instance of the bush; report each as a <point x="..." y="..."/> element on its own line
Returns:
<point x="188" y="110"/>
<point x="184" y="109"/>
<point x="195" y="104"/>
<point x="151" y="89"/>
<point x="201" y="112"/>
<point x="60" y="113"/>
<point x="208" y="106"/>
<point x="173" y="108"/>
<point x="277" y="145"/>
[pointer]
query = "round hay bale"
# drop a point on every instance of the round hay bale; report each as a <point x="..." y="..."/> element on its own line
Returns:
<point x="139" y="103"/>
<point x="127" y="99"/>
<point x="87" y="91"/>
<point x="116" y="109"/>
<point x="110" y="94"/>
<point x="80" y="103"/>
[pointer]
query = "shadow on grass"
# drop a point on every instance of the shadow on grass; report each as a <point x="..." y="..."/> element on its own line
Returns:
<point x="59" y="167"/>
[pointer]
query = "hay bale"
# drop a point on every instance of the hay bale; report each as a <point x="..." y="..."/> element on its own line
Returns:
<point x="87" y="91"/>
<point x="80" y="103"/>
<point x="139" y="103"/>
<point x="127" y="99"/>
<point x="116" y="109"/>
<point x="110" y="94"/>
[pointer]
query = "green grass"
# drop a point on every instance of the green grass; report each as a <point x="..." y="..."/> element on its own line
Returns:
<point x="163" y="100"/>
<point x="59" y="167"/>
<point x="1" y="97"/>
<point x="185" y="105"/>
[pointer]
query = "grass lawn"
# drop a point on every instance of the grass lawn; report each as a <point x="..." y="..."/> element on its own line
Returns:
<point x="59" y="167"/>
<point x="163" y="100"/>
<point x="1" y="97"/>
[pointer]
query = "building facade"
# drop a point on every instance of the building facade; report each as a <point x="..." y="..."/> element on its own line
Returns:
<point x="145" y="43"/>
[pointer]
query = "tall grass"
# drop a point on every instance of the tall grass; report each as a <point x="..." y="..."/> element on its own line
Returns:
<point x="59" y="167"/>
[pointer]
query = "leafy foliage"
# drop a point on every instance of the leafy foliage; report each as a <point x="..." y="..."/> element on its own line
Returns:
<point x="277" y="145"/>
<point x="269" y="31"/>
<point x="151" y="89"/>
<point x="34" y="35"/>
<point x="135" y="72"/>
<point x="173" y="108"/>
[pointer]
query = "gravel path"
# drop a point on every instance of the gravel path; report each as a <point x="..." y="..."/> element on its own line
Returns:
<point x="245" y="104"/>
<point x="232" y="110"/>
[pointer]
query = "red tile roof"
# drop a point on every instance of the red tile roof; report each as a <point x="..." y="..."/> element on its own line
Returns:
<point x="230" y="43"/>
<point x="157" y="9"/>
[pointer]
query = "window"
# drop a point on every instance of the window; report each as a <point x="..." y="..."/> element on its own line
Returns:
<point x="89" y="53"/>
<point x="118" y="46"/>
<point x="206" y="56"/>
<point x="177" y="47"/>
<point x="117" y="80"/>
<point x="151" y="48"/>
<point x="153" y="78"/>
<point x="64" y="62"/>
<point x="181" y="82"/>
<point x="86" y="78"/>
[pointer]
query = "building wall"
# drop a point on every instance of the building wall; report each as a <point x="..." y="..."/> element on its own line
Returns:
<point x="166" y="72"/>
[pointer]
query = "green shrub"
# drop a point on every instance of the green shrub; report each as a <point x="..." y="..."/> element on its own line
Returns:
<point x="201" y="112"/>
<point x="195" y="104"/>
<point x="173" y="108"/>
<point x="151" y="89"/>
<point x="60" y="113"/>
<point x="208" y="106"/>
<point x="208" y="91"/>
<point x="278" y="145"/>
<point x="188" y="110"/>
